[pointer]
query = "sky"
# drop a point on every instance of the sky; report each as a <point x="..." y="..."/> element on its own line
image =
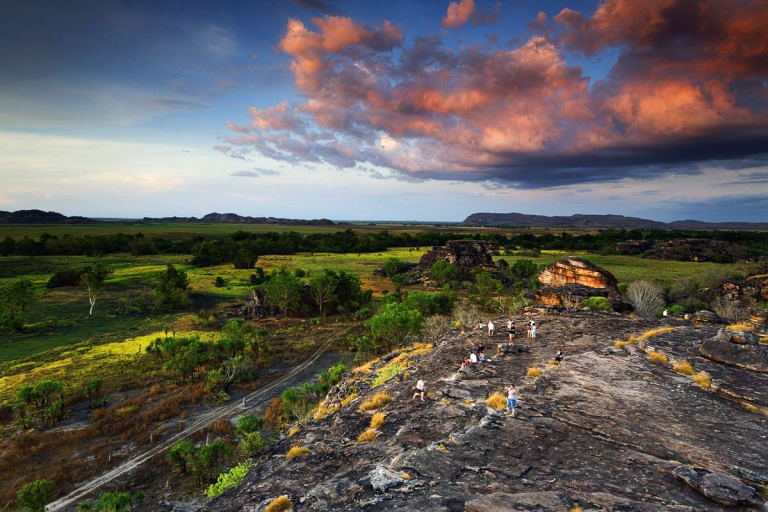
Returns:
<point x="397" y="110"/>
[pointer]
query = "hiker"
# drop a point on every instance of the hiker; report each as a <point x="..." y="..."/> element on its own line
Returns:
<point x="481" y="357"/>
<point x="480" y="348"/>
<point x="491" y="328"/>
<point x="511" y="329"/>
<point x="420" y="386"/>
<point x="464" y="364"/>
<point x="473" y="358"/>
<point x="666" y="312"/>
<point x="533" y="329"/>
<point x="511" y="400"/>
<point x="559" y="356"/>
<point x="528" y="330"/>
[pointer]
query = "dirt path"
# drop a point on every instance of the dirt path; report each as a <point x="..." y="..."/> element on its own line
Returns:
<point x="258" y="397"/>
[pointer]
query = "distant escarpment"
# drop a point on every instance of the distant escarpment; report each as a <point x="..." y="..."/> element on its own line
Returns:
<point x="685" y="249"/>
<point x="233" y="218"/>
<point x="41" y="217"/>
<point x="600" y="222"/>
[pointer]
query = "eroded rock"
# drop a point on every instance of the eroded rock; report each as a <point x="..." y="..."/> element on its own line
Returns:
<point x="718" y="487"/>
<point x="465" y="254"/>
<point x="737" y="348"/>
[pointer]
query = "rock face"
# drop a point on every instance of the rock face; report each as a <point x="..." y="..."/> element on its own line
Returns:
<point x="578" y="271"/>
<point x="696" y="249"/>
<point x="737" y="348"/>
<point x="718" y="487"/>
<point x="465" y="254"/>
<point x="604" y="430"/>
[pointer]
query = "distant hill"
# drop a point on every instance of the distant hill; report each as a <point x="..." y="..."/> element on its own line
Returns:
<point x="233" y="218"/>
<point x="41" y="217"/>
<point x="600" y="222"/>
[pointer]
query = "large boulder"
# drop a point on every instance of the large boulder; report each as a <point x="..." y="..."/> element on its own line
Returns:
<point x="465" y="254"/>
<point x="736" y="348"/>
<point x="720" y="488"/>
<point x="572" y="270"/>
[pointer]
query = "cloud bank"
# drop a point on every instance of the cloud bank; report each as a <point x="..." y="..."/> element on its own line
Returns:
<point x="689" y="86"/>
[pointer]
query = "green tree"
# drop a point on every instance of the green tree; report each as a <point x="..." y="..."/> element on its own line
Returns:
<point x="169" y="290"/>
<point x="16" y="300"/>
<point x="283" y="291"/>
<point x="7" y="246"/>
<point x="245" y="260"/>
<point x="35" y="496"/>
<point x="210" y="459"/>
<point x="323" y="289"/>
<point x="250" y="444"/>
<point x="93" y="391"/>
<point x="181" y="455"/>
<point x="249" y="423"/>
<point x="443" y="271"/>
<point x="392" y="267"/>
<point x="92" y="279"/>
<point x="395" y="324"/>
<point x="486" y="287"/>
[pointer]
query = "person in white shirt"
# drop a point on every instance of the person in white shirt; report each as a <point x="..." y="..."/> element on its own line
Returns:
<point x="665" y="313"/>
<point x="491" y="328"/>
<point x="533" y="330"/>
<point x="511" y="400"/>
<point x="420" y="387"/>
<point x="473" y="358"/>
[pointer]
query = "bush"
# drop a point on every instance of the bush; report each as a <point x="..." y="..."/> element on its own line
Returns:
<point x="249" y="423"/>
<point x="273" y="414"/>
<point x="66" y="277"/>
<point x="597" y="304"/>
<point x="244" y="260"/>
<point x="497" y="401"/>
<point x="395" y="325"/>
<point x="35" y="496"/>
<point x="367" y="436"/>
<point x="220" y="283"/>
<point x="377" y="420"/>
<point x="232" y="478"/>
<point x="281" y="504"/>
<point x="684" y="368"/>
<point x="658" y="357"/>
<point x="169" y="290"/>
<point x="533" y="372"/>
<point x="676" y="309"/>
<point x="378" y="401"/>
<point x="297" y="451"/>
<point x="646" y="297"/>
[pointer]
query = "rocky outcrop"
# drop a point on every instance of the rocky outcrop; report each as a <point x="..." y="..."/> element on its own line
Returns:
<point x="633" y="246"/>
<point x="250" y="309"/>
<point x="723" y="489"/>
<point x="465" y="254"/>
<point x="696" y="249"/>
<point x="737" y="348"/>
<point x="574" y="270"/>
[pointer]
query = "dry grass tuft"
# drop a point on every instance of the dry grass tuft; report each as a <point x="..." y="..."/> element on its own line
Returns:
<point x="632" y="340"/>
<point x="293" y="431"/>
<point x="533" y="372"/>
<point x="658" y="357"/>
<point x="377" y="420"/>
<point x="378" y="401"/>
<point x="348" y="400"/>
<point x="751" y="408"/>
<point x="741" y="326"/>
<point x="577" y="509"/>
<point x="443" y="448"/>
<point x="656" y="332"/>
<point x="281" y="504"/>
<point x="703" y="380"/>
<point x="764" y="340"/>
<point x="554" y="363"/>
<point x="684" y="368"/>
<point x="406" y="476"/>
<point x="297" y="451"/>
<point x="497" y="401"/>
<point x="322" y="411"/>
<point x="367" y="436"/>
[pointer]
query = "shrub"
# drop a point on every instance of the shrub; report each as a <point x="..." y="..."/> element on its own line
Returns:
<point x="220" y="283"/>
<point x="377" y="420"/>
<point x="250" y="444"/>
<point x="378" y="401"/>
<point x="676" y="309"/>
<point x="703" y="380"/>
<point x="496" y="401"/>
<point x="597" y="304"/>
<point x="244" y="260"/>
<point x="66" y="277"/>
<point x="658" y="357"/>
<point x="646" y="297"/>
<point x="35" y="496"/>
<point x="232" y="478"/>
<point x="248" y="423"/>
<point x="684" y="368"/>
<point x="533" y="372"/>
<point x="281" y="504"/>
<point x="297" y="451"/>
<point x="367" y="436"/>
<point x="273" y="414"/>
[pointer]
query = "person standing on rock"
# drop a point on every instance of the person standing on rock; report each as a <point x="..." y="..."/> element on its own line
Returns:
<point x="420" y="387"/>
<point x="559" y="356"/>
<point x="511" y="330"/>
<point x="533" y="329"/>
<point x="511" y="400"/>
<point x="472" y="357"/>
<point x="491" y="328"/>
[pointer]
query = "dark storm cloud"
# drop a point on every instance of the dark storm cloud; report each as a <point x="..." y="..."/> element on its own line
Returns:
<point x="317" y="5"/>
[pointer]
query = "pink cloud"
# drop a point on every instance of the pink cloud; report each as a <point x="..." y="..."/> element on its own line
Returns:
<point x="458" y="13"/>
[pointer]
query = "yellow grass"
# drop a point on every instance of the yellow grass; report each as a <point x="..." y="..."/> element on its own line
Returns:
<point x="281" y="504"/>
<point x="293" y="431"/>
<point x="741" y="326"/>
<point x="349" y="399"/>
<point x="378" y="401"/>
<point x="406" y="476"/>
<point x="497" y="401"/>
<point x="630" y="341"/>
<point x="703" y="380"/>
<point x="684" y="368"/>
<point x="533" y="372"/>
<point x="443" y="448"/>
<point x="577" y="509"/>
<point x="367" y="436"/>
<point x="554" y="363"/>
<point x="658" y="357"/>
<point x="764" y="340"/>
<point x="322" y="411"/>
<point x="656" y="332"/>
<point x="751" y="408"/>
<point x="377" y="420"/>
<point x="296" y="451"/>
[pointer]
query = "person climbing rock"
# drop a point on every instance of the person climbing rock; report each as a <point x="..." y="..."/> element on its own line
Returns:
<point x="419" y="390"/>
<point x="491" y="328"/>
<point x="559" y="356"/>
<point x="511" y="400"/>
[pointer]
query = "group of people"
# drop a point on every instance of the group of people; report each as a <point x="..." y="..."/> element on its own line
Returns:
<point x="530" y="328"/>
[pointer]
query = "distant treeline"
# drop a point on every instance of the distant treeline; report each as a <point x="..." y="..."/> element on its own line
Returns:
<point x="218" y="250"/>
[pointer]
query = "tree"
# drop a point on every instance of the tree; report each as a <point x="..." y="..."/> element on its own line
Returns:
<point x="245" y="260"/>
<point x="93" y="390"/>
<point x="395" y="324"/>
<point x="486" y="287"/>
<point x="392" y="267"/>
<point x="169" y="290"/>
<point x="92" y="279"/>
<point x="209" y="460"/>
<point x="646" y="297"/>
<point x="435" y="327"/>
<point x="231" y="370"/>
<point x="7" y="246"/>
<point x="16" y="300"/>
<point x="250" y="444"/>
<point x="35" y="496"/>
<point x="248" y="423"/>
<point x="283" y="291"/>
<point x="443" y="271"/>
<point x="180" y="455"/>
<point x="322" y="289"/>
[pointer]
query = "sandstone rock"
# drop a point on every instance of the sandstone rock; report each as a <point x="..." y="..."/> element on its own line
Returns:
<point x="718" y="487"/>
<point x="737" y="348"/>
<point x="572" y="295"/>
<point x="696" y="249"/>
<point x="382" y="478"/>
<point x="578" y="271"/>
<point x="706" y="317"/>
<point x="465" y="254"/>
<point x="510" y="348"/>
<point x="752" y="476"/>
